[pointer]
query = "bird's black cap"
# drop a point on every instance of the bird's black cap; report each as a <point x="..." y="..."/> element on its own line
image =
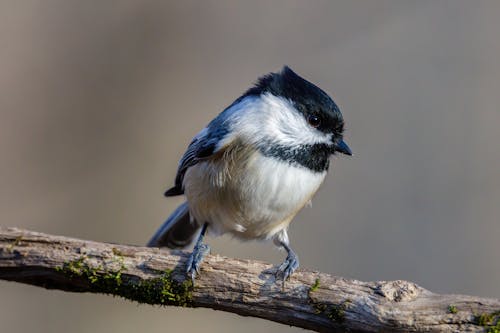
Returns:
<point x="306" y="97"/>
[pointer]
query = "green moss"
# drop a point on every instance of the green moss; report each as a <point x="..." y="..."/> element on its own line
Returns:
<point x="334" y="312"/>
<point x="315" y="286"/>
<point x="452" y="309"/>
<point x="10" y="248"/>
<point x="162" y="290"/>
<point x="483" y="319"/>
<point x="117" y="252"/>
<point x="494" y="329"/>
<point x="489" y="320"/>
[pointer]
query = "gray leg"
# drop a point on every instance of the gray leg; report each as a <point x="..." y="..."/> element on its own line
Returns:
<point x="291" y="262"/>
<point x="200" y="250"/>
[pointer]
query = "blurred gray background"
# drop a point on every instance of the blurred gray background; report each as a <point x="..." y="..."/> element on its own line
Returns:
<point x="98" y="100"/>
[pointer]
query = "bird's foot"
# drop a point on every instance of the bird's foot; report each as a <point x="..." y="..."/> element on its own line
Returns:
<point x="288" y="266"/>
<point x="195" y="259"/>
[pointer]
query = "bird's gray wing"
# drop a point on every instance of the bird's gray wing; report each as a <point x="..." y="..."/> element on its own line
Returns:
<point x="204" y="145"/>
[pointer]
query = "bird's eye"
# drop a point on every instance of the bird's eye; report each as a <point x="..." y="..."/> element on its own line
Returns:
<point x="313" y="120"/>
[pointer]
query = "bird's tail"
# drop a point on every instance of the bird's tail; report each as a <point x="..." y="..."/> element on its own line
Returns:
<point x="178" y="230"/>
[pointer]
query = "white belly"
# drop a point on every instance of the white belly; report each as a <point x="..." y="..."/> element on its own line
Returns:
<point x="255" y="200"/>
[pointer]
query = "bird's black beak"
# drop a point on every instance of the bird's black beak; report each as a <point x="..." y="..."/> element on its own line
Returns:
<point x="343" y="148"/>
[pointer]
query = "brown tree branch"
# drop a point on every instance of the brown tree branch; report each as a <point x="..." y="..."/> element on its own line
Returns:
<point x="310" y="300"/>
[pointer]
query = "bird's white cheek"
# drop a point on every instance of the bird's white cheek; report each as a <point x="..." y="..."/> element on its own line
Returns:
<point x="273" y="118"/>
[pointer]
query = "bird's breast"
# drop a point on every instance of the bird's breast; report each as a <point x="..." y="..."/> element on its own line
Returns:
<point x="247" y="193"/>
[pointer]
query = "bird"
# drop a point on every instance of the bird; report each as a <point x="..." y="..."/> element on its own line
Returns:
<point x="254" y="167"/>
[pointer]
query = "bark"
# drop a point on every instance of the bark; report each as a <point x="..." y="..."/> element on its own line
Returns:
<point x="310" y="300"/>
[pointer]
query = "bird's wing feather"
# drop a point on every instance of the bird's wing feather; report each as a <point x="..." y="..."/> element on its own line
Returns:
<point x="204" y="145"/>
<point x="211" y="140"/>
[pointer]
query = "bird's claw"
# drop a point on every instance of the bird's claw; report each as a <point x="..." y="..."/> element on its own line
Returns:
<point x="195" y="259"/>
<point x="288" y="266"/>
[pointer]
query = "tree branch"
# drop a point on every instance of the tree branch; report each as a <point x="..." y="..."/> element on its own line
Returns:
<point x="310" y="300"/>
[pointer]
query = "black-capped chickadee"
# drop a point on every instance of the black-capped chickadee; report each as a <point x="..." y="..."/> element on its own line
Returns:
<point x="252" y="169"/>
